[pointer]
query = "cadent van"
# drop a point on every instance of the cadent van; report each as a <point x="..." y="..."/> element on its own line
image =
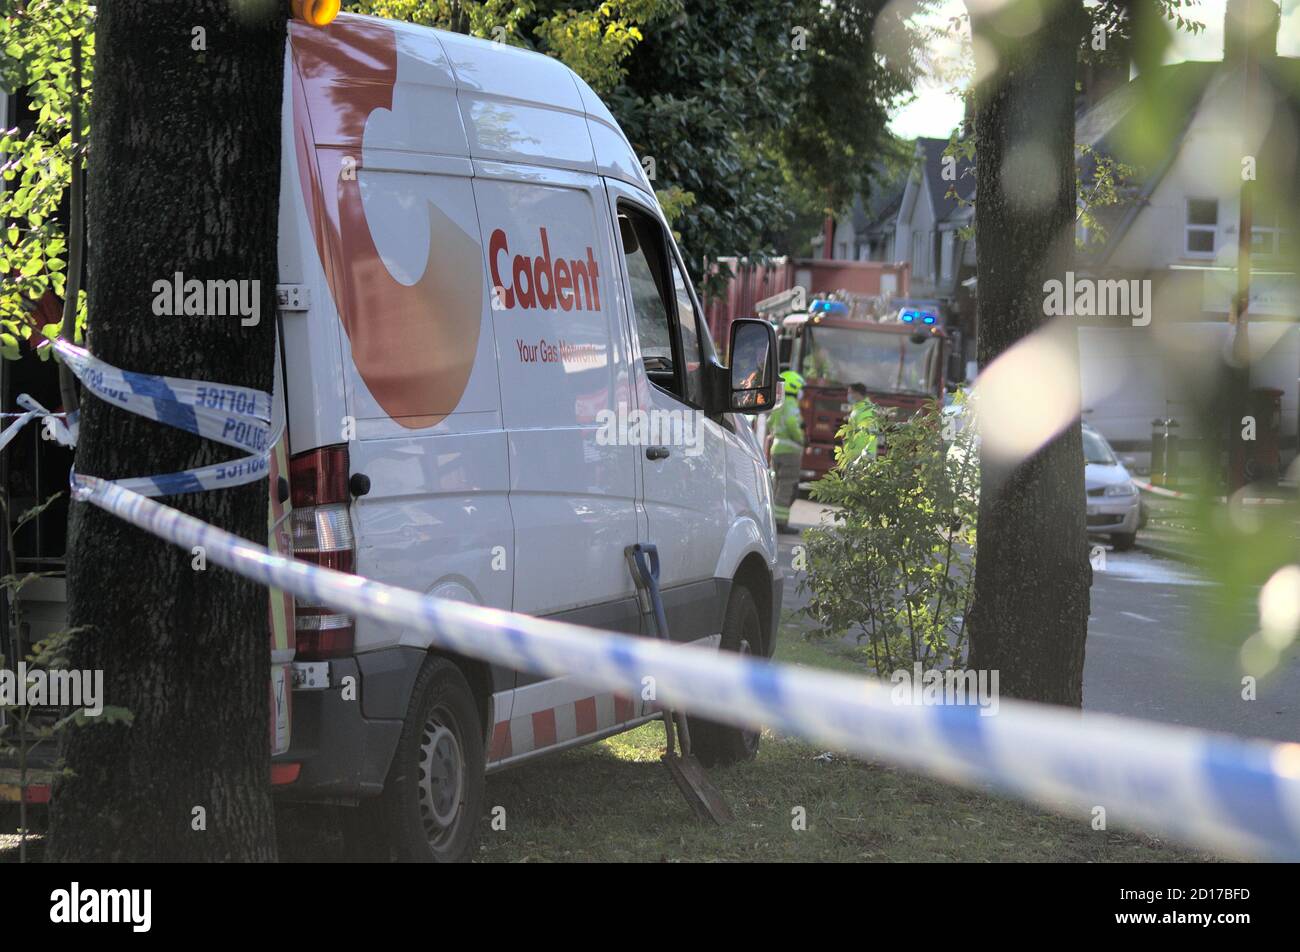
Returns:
<point x="478" y="291"/>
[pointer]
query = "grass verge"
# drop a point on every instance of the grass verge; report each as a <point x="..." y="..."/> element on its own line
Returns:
<point x="614" y="802"/>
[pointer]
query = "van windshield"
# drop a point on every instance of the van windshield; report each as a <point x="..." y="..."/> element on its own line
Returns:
<point x="883" y="361"/>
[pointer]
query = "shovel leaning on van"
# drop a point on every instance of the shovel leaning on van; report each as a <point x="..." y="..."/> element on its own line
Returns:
<point x="686" y="771"/>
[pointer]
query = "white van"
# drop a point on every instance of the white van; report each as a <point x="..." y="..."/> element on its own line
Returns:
<point x="497" y="379"/>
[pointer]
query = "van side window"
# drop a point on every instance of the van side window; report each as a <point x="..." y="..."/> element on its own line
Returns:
<point x="653" y="304"/>
<point x="692" y="356"/>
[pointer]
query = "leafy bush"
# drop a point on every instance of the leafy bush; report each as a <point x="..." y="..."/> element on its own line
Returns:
<point x="896" y="565"/>
<point x="36" y="165"/>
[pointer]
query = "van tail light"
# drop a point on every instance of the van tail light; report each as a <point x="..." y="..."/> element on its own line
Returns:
<point x="321" y="526"/>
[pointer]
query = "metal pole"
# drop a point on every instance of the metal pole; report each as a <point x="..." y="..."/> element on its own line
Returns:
<point x="1239" y="314"/>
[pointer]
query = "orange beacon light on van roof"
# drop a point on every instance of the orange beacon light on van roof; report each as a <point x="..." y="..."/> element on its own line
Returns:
<point x="316" y="12"/>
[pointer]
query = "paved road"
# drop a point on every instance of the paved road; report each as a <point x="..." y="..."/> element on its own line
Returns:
<point x="1145" y="655"/>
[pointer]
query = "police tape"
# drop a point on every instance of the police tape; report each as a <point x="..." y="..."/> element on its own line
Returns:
<point x="240" y="417"/>
<point x="1239" y="797"/>
<point x="1238" y="497"/>
<point x="34" y="411"/>
<point x="1236" y="796"/>
<point x="1160" y="490"/>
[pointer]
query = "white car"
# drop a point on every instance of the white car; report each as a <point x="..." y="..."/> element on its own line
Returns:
<point x="1113" y="507"/>
<point x="1114" y="503"/>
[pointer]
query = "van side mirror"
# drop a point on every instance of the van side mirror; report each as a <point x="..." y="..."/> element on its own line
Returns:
<point x="753" y="379"/>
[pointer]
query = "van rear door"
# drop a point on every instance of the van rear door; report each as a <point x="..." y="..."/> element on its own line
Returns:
<point x="279" y="540"/>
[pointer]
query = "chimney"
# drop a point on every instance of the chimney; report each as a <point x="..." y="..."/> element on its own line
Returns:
<point x="1250" y="25"/>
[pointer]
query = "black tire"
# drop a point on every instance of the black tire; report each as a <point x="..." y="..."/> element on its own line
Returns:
<point x="1123" y="541"/>
<point x="721" y="745"/>
<point x="432" y="815"/>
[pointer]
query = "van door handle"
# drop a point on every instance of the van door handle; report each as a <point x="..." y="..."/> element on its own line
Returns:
<point x="656" y="452"/>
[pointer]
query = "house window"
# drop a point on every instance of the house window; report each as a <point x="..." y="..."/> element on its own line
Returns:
<point x="921" y="243"/>
<point x="1202" y="226"/>
<point x="1267" y="236"/>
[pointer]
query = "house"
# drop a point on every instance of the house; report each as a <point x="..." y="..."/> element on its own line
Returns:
<point x="1177" y="233"/>
<point x="934" y="213"/>
<point x="919" y="216"/>
<point x="866" y="231"/>
<point x="1176" y="226"/>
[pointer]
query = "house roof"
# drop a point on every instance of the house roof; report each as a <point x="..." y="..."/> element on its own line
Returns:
<point x="931" y="152"/>
<point x="877" y="211"/>
<point x="886" y="216"/>
<point x="1144" y="123"/>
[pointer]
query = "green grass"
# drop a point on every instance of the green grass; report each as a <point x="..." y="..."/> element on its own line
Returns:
<point x="615" y="802"/>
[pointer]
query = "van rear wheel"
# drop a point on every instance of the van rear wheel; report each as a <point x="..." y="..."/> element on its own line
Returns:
<point x="433" y="798"/>
<point x="721" y="745"/>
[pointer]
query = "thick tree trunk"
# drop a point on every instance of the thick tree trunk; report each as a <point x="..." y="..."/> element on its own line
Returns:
<point x="1030" y="614"/>
<point x="184" y="177"/>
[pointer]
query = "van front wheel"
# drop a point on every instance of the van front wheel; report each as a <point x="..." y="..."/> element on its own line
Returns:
<point x="721" y="745"/>
<point x="433" y="798"/>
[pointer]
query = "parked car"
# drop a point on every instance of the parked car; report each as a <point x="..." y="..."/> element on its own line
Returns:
<point x="1113" y="508"/>
<point x="478" y="290"/>
<point x="1114" y="504"/>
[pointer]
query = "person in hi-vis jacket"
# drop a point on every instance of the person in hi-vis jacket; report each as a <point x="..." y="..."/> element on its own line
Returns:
<point x="861" y="430"/>
<point x="786" y="428"/>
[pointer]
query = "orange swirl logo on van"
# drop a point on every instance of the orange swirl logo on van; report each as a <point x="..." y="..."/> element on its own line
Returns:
<point x="413" y="344"/>
<point x="542" y="282"/>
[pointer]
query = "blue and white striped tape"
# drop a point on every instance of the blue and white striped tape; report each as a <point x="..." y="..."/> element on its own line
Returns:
<point x="34" y="411"/>
<point x="1239" y="797"/>
<point x="241" y="417"/>
<point x="1236" y="796"/>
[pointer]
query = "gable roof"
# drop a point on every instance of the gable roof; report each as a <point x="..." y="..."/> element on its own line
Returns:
<point x="1145" y="122"/>
<point x="945" y="206"/>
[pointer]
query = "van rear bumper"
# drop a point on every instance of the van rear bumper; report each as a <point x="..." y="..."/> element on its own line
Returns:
<point x="343" y="755"/>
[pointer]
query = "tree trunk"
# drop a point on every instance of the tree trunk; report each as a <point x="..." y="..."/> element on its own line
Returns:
<point x="1030" y="614"/>
<point x="184" y="176"/>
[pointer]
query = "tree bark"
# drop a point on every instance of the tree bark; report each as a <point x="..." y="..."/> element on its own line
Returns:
<point x="184" y="177"/>
<point x="1030" y="613"/>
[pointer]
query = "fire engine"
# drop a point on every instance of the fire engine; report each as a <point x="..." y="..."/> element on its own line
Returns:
<point x="900" y="349"/>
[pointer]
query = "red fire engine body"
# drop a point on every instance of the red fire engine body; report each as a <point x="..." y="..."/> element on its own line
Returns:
<point x="900" y="360"/>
